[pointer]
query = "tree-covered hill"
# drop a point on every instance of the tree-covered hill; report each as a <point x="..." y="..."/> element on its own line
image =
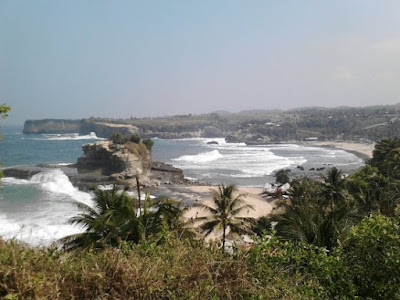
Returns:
<point x="349" y="123"/>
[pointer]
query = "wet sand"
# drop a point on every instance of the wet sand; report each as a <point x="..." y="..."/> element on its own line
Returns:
<point x="362" y="150"/>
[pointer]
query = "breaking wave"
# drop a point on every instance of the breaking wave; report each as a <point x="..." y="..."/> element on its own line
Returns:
<point x="67" y="137"/>
<point x="201" y="157"/>
<point x="38" y="209"/>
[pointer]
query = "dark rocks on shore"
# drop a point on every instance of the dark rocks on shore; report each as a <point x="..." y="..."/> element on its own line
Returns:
<point x="166" y="173"/>
<point x="212" y="143"/>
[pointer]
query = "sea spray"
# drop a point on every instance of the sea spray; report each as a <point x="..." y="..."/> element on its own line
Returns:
<point x="55" y="181"/>
<point x="65" y="137"/>
<point x="201" y="157"/>
<point x="37" y="211"/>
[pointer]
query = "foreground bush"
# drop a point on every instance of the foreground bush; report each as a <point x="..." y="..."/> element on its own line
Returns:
<point x="173" y="270"/>
<point x="367" y="267"/>
<point x="373" y="255"/>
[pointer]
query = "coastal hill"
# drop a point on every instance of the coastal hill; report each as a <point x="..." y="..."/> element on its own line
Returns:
<point x="253" y="127"/>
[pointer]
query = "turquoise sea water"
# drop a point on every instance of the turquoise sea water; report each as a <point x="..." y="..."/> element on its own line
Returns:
<point x="37" y="210"/>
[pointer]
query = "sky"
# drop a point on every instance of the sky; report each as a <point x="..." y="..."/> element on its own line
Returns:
<point x="77" y="59"/>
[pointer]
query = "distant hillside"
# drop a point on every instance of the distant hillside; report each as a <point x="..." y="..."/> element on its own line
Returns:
<point x="253" y="126"/>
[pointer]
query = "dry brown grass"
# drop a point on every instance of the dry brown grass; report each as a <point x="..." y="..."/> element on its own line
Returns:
<point x="174" y="270"/>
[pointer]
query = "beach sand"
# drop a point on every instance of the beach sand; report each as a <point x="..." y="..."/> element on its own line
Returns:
<point x="362" y="150"/>
<point x="261" y="207"/>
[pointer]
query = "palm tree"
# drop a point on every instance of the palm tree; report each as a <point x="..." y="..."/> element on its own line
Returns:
<point x="116" y="217"/>
<point x="309" y="222"/>
<point x="225" y="210"/>
<point x="106" y="222"/>
<point x="334" y="187"/>
<point x="382" y="151"/>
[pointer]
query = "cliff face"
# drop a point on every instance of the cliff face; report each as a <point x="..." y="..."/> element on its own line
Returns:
<point x="117" y="161"/>
<point x="104" y="128"/>
<point x="51" y="126"/>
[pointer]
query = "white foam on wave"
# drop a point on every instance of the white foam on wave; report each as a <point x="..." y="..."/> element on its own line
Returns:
<point x="44" y="220"/>
<point x="14" y="181"/>
<point x="55" y="181"/>
<point x="235" y="161"/>
<point x="67" y="137"/>
<point x="203" y="157"/>
<point x="36" y="233"/>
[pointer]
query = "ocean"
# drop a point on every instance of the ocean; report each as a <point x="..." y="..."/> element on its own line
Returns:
<point x="36" y="211"/>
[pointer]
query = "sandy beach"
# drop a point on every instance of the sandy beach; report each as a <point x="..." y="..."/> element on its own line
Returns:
<point x="261" y="207"/>
<point x="362" y="150"/>
<point x="251" y="196"/>
<point x="194" y="194"/>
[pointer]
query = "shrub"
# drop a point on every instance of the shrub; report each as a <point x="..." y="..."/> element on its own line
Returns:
<point x="171" y="270"/>
<point x="373" y="257"/>
<point x="282" y="176"/>
<point x="320" y="274"/>
<point x="148" y="143"/>
<point x="118" y="138"/>
<point x="134" y="138"/>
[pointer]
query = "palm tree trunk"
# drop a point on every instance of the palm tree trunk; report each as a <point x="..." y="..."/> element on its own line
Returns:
<point x="223" y="235"/>
<point x="138" y="191"/>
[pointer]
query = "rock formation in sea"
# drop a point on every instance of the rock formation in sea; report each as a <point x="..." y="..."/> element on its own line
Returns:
<point x="120" y="162"/>
<point x="105" y="163"/>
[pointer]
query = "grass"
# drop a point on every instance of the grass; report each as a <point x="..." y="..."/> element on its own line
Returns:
<point x="173" y="270"/>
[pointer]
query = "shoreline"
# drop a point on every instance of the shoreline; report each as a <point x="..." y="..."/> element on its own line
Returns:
<point x="361" y="150"/>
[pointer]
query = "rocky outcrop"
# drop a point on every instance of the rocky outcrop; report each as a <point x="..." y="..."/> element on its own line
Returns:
<point x="51" y="126"/>
<point x="120" y="162"/>
<point x="248" y="138"/>
<point x="166" y="173"/>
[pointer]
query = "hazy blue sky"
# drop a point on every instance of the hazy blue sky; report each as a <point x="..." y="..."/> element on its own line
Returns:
<point x="74" y="59"/>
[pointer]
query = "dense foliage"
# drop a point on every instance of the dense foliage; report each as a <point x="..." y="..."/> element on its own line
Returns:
<point x="116" y="218"/>
<point x="120" y="139"/>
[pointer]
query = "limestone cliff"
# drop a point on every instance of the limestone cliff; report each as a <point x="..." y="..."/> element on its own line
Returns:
<point x="51" y="126"/>
<point x="120" y="162"/>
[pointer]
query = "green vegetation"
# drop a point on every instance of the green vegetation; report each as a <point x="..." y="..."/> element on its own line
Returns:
<point x="367" y="268"/>
<point x="117" y="218"/>
<point x="120" y="139"/>
<point x="149" y="143"/>
<point x="225" y="213"/>
<point x="282" y="176"/>
<point x="135" y="138"/>
<point x="364" y="124"/>
<point x="4" y="109"/>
